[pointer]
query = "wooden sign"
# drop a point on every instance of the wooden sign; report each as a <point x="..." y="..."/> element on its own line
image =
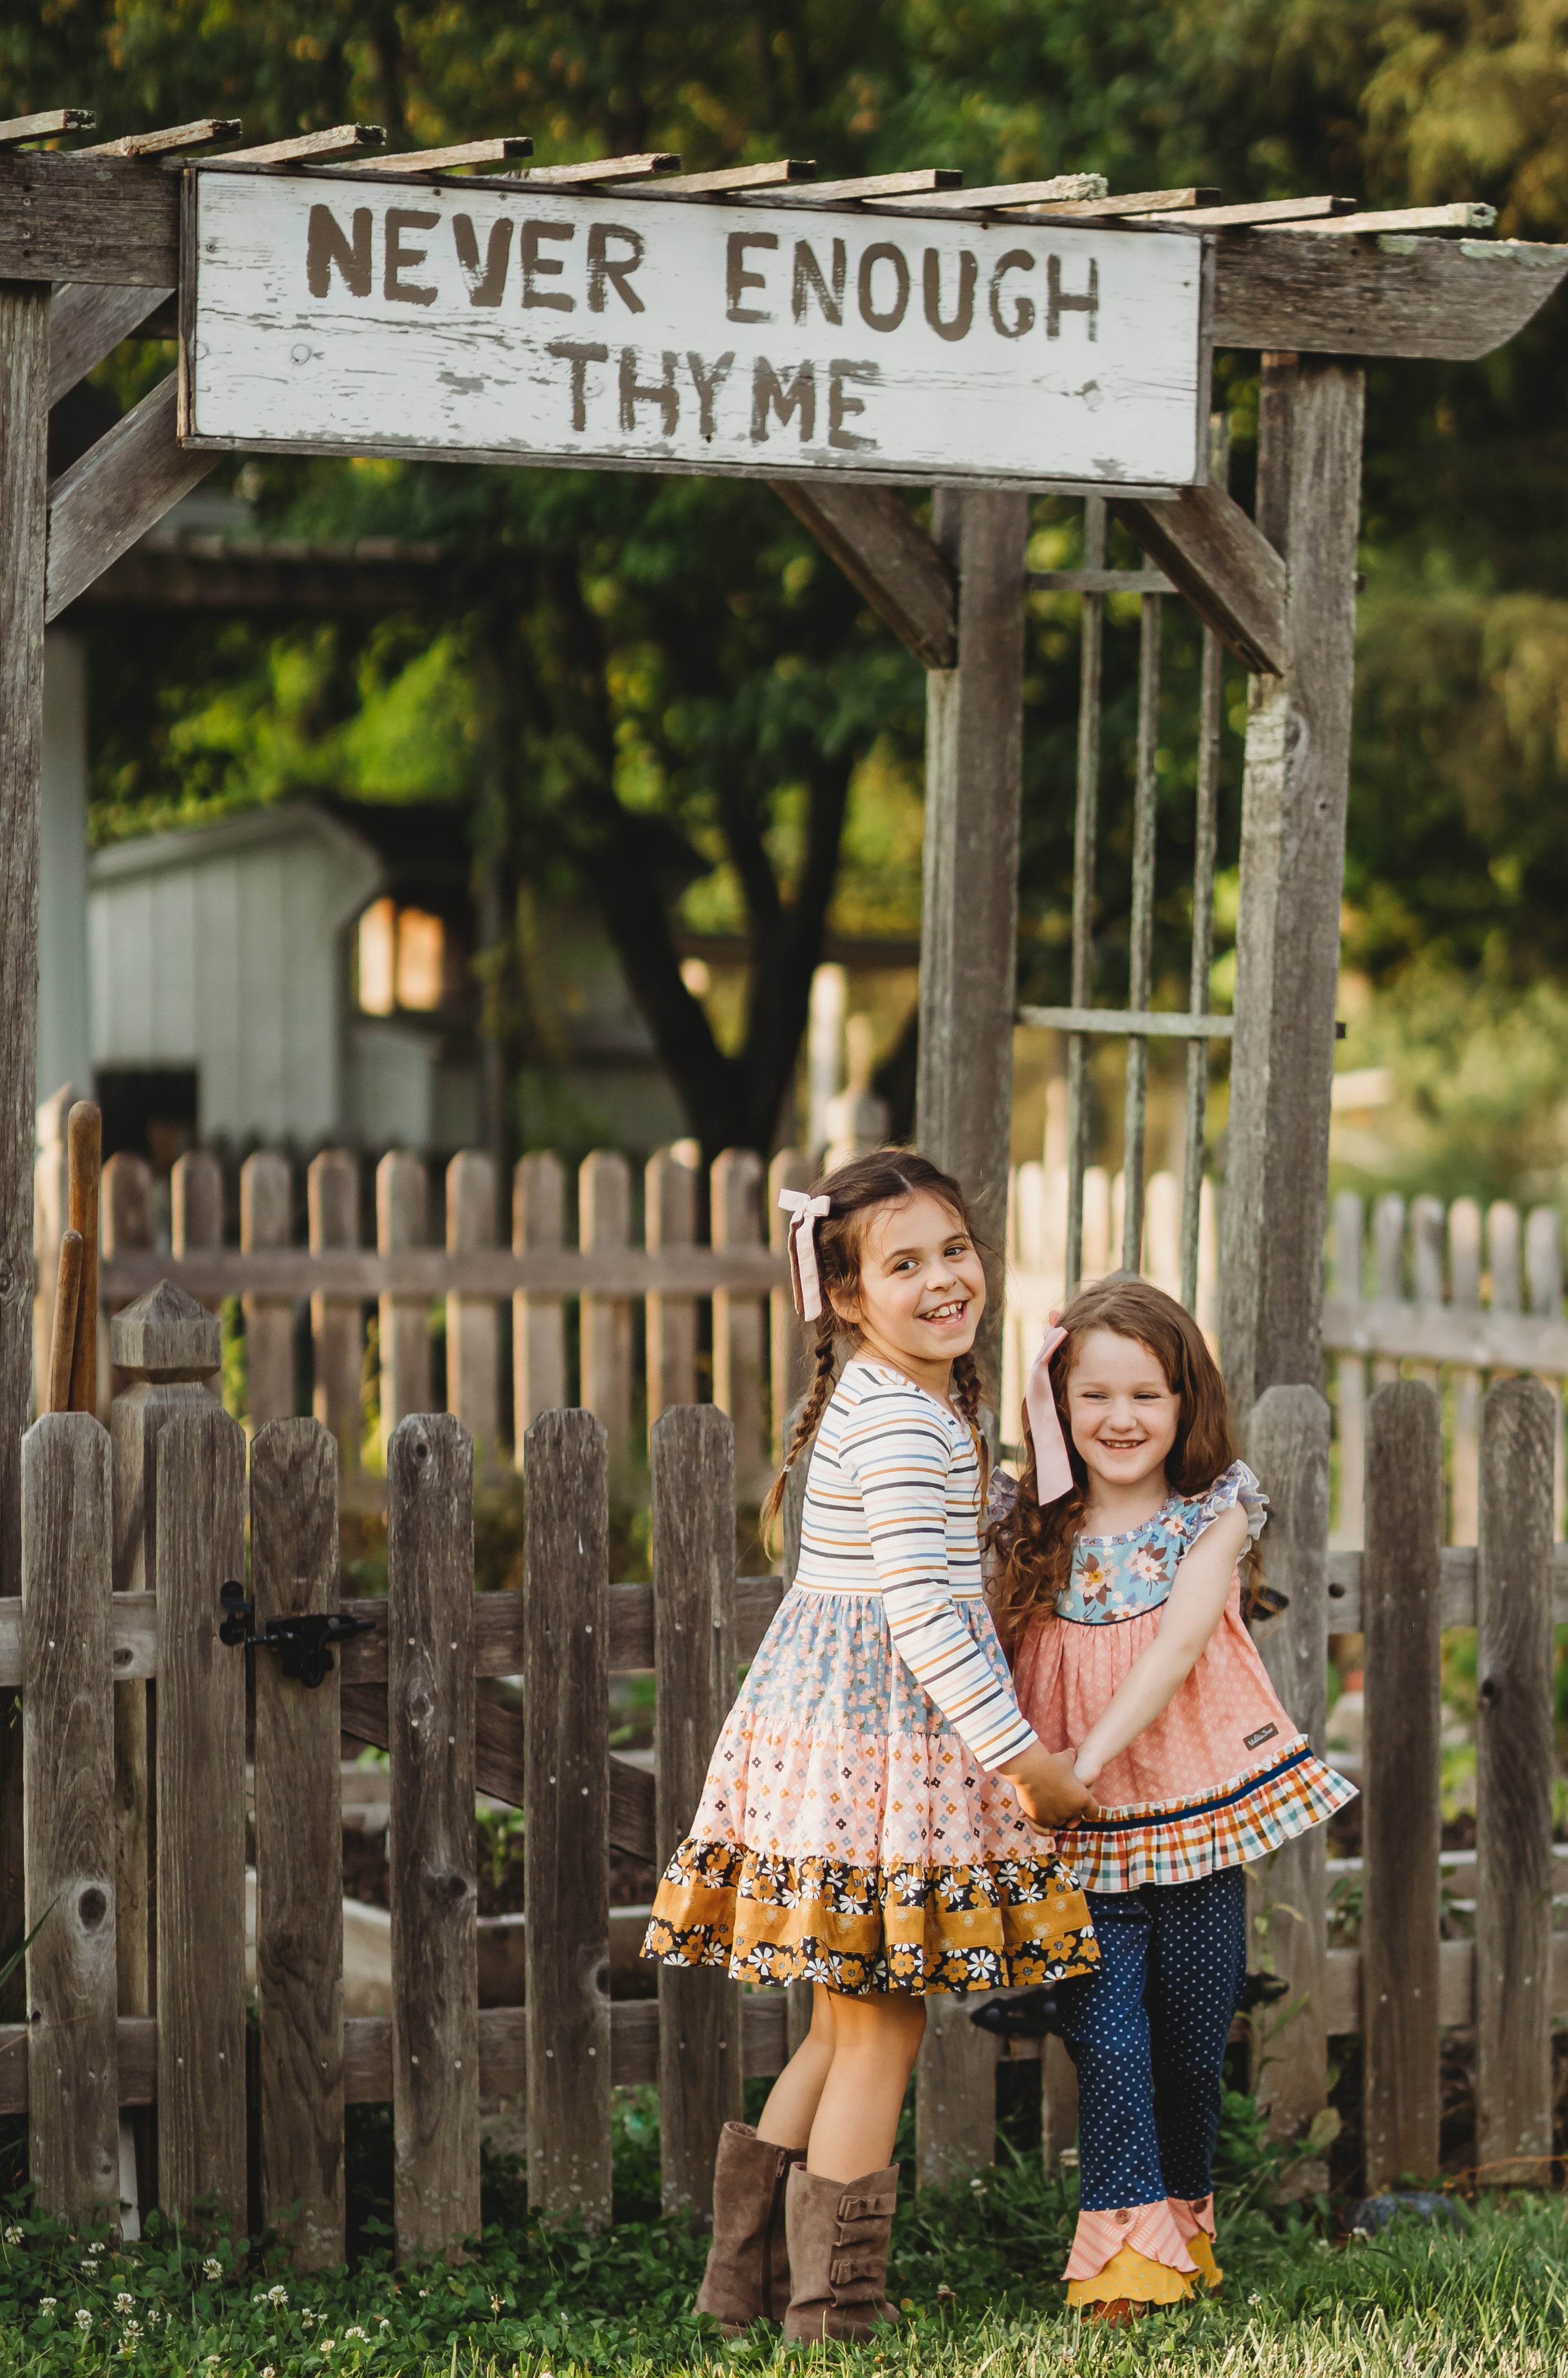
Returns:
<point x="497" y="323"/>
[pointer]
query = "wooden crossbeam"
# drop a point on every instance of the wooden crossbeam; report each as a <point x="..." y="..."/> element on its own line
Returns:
<point x="1136" y="202"/>
<point x="175" y="137"/>
<point x="1263" y="210"/>
<point x="1061" y="186"/>
<point x="87" y="322"/>
<point x="651" y="164"/>
<point x="1457" y="298"/>
<point x="1224" y="565"/>
<point x="445" y="161"/>
<point x="770" y="175"/>
<point x="113" y="496"/>
<point x="883" y="550"/>
<point x="309" y="148"/>
<point x="882" y="185"/>
<point x="1463" y="215"/>
<point x="46" y="125"/>
<point x="1098" y="582"/>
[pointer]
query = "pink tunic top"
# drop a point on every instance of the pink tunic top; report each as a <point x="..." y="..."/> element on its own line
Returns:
<point x="1222" y="1775"/>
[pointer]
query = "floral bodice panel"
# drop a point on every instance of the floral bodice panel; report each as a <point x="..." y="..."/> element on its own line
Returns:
<point x="1115" y="1578"/>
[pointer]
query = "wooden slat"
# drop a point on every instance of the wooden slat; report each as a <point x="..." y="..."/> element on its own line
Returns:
<point x="1294" y="797"/>
<point x="1485" y="1338"/>
<point x="699" y="2045"/>
<point x="1245" y="214"/>
<point x="647" y="166"/>
<point x="304" y="148"/>
<point x="1100" y="582"/>
<point x="356" y="1273"/>
<point x="567" y="1847"/>
<point x="46" y="124"/>
<point x="539" y="1355"/>
<point x="1455" y="298"/>
<point x="472" y="1337"/>
<point x="445" y="161"/>
<point x="1515" y="1660"/>
<point x="881" y="185"/>
<point x="1402" y="1804"/>
<point x="68" y="1768"/>
<point x="431" y="1850"/>
<point x="333" y="1216"/>
<point x="174" y="138"/>
<point x="603" y="1225"/>
<point x="299" y="1849"/>
<point x="116" y="493"/>
<point x="201" y="1895"/>
<point x="1149" y="1022"/>
<point x="1288" y="1445"/>
<point x="88" y="322"/>
<point x="266" y="1220"/>
<point x="403" y="1189"/>
<point x="767" y="176"/>
<point x="885" y="553"/>
<point x="1214" y="554"/>
<point x="739" y="1322"/>
<point x="1133" y="202"/>
<point x="1057" y="187"/>
<point x="1462" y="215"/>
<point x="955" y="2095"/>
<point x="103" y="218"/>
<point x="670" y="1197"/>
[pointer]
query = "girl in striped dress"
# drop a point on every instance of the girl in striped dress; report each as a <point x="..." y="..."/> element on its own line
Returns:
<point x="866" y="1824"/>
<point x="1118" y="1591"/>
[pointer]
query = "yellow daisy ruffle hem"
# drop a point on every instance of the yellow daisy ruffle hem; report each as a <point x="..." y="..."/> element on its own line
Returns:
<point x="859" y="1929"/>
<point x="1132" y="2277"/>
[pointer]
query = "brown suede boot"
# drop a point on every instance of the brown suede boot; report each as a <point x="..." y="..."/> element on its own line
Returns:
<point x="839" y="2235"/>
<point x="748" y="2274"/>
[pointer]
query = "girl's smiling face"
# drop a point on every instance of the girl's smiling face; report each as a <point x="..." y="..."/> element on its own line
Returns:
<point x="921" y="1291"/>
<point x="1121" y="1411"/>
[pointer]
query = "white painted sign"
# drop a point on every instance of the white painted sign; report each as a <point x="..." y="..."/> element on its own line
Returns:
<point x="520" y="324"/>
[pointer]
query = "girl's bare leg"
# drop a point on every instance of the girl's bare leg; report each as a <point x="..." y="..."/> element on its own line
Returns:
<point x="787" y="2119"/>
<point x="876" y="2041"/>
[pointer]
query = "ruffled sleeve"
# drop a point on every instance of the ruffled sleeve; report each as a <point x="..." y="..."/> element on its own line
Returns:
<point x="1236" y="1486"/>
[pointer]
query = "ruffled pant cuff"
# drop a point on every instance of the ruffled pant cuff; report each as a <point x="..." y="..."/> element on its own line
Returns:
<point x="1155" y="2253"/>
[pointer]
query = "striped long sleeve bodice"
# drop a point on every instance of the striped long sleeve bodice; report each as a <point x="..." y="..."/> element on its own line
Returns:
<point x="892" y="1507"/>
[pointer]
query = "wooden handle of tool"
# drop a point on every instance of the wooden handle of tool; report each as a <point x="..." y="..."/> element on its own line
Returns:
<point x="84" y="1149"/>
<point x="62" y="1345"/>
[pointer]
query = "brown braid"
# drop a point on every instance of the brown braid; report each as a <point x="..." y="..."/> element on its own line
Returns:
<point x="968" y="1393"/>
<point x="886" y="1178"/>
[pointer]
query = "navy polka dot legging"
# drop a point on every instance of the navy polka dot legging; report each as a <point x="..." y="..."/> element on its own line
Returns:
<point x="1148" y="2030"/>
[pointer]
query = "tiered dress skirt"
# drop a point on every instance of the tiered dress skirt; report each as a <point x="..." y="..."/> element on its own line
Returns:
<point x="846" y="1835"/>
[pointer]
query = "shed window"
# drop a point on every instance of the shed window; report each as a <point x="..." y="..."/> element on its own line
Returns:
<point x="402" y="960"/>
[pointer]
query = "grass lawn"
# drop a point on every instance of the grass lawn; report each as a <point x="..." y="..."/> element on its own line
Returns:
<point x="973" y="2270"/>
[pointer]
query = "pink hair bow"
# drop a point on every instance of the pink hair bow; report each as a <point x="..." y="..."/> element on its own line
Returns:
<point x="806" y="1212"/>
<point x="1053" y="1471"/>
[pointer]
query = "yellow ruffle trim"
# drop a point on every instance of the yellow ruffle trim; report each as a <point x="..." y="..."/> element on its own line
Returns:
<point x="1139" y="2278"/>
<point x="1201" y="2248"/>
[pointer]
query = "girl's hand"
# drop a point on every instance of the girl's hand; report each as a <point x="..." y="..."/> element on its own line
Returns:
<point x="1049" y="1791"/>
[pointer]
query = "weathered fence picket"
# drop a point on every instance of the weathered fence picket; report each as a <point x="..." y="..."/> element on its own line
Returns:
<point x="472" y="1337"/>
<point x="402" y="1188"/>
<point x="332" y="1219"/>
<point x="433" y="1853"/>
<point x="69" y="1774"/>
<point x="1402" y="1621"/>
<point x="267" y="1221"/>
<point x="299" y="1847"/>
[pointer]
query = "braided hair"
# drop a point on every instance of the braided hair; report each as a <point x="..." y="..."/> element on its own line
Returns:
<point x="888" y="1177"/>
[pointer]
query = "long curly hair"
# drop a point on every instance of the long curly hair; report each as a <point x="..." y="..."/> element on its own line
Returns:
<point x="889" y="1176"/>
<point x="1031" y="1544"/>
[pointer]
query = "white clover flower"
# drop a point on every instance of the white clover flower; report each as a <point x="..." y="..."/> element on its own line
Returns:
<point x="277" y="2295"/>
<point x="84" y="2319"/>
<point x="269" y="2371"/>
<point x="47" y="2303"/>
<point x="363" y="2335"/>
<point x="1254" y="2298"/>
<point x="122" y="2302"/>
<point x="96" y="2247"/>
<point x="13" y="2236"/>
<point x="133" y="2328"/>
<point x="424" y="2291"/>
<point x="212" y="2269"/>
<point x="386" y="2324"/>
<point x="328" y="2344"/>
<point x="308" y="2318"/>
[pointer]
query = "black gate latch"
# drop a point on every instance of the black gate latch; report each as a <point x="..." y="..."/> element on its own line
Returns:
<point x="301" y="1641"/>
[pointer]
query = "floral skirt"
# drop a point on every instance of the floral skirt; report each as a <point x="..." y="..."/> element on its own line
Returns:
<point x="846" y="1835"/>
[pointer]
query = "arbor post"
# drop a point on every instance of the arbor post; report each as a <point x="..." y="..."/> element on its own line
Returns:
<point x="969" y="928"/>
<point x="1292" y="873"/>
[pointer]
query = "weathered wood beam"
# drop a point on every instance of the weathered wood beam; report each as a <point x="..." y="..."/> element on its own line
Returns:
<point x="115" y="492"/>
<point x="1216" y="558"/>
<point x="110" y="219"/>
<point x="883" y="550"/>
<point x="46" y="125"/>
<point x="172" y="140"/>
<point x="1293" y="806"/>
<point x="88" y="323"/>
<point x="1463" y="215"/>
<point x="881" y="185"/>
<point x="1059" y="187"/>
<point x="767" y="176"/>
<point x="1456" y="298"/>
<point x="1247" y="212"/>
<point x="310" y="148"/>
<point x="1132" y="202"/>
<point x="445" y="161"/>
<point x="647" y="166"/>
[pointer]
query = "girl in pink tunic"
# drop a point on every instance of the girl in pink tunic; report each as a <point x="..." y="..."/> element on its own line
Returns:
<point x="1118" y="1595"/>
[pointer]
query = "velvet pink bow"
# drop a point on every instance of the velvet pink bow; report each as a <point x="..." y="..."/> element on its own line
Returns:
<point x="1053" y="1471"/>
<point x="804" y="1277"/>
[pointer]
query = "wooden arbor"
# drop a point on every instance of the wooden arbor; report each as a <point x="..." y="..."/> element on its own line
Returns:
<point x="1313" y="283"/>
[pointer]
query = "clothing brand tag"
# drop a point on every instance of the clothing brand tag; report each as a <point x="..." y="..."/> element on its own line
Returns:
<point x="1262" y="1735"/>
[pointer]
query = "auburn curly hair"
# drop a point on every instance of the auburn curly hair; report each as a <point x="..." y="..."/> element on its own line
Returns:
<point x="889" y="1176"/>
<point x="1032" y="1543"/>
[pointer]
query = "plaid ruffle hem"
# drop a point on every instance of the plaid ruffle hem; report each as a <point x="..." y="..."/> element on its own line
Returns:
<point x="1178" y="1841"/>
